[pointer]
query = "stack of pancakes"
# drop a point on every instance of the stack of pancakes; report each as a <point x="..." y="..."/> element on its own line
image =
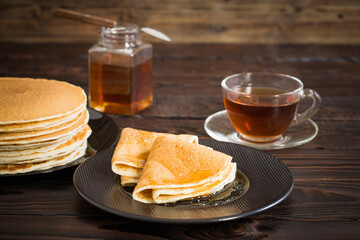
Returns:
<point x="43" y="124"/>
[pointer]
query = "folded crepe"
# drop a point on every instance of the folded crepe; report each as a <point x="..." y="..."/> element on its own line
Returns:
<point x="133" y="149"/>
<point x="177" y="170"/>
<point x="129" y="181"/>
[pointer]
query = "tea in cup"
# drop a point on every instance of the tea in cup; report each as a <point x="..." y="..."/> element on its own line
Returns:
<point x="262" y="106"/>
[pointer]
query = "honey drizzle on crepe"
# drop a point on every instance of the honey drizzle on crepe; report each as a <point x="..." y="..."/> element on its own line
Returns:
<point x="177" y="170"/>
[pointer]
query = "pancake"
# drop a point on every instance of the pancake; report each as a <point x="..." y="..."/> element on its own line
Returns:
<point x="28" y="134"/>
<point x="177" y="170"/>
<point x="42" y="149"/>
<point x="25" y="100"/>
<point x="134" y="147"/>
<point x="43" y="124"/>
<point x="38" y="125"/>
<point x="43" y="165"/>
<point x="30" y="146"/>
<point x="74" y="128"/>
<point x="36" y="156"/>
<point x="26" y="150"/>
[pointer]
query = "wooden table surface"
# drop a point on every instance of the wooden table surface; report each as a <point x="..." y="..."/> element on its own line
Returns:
<point x="325" y="202"/>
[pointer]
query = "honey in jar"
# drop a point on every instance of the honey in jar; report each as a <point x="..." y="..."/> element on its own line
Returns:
<point x="120" y="71"/>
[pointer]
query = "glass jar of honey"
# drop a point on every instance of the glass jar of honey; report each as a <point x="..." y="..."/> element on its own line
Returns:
<point x="120" y="71"/>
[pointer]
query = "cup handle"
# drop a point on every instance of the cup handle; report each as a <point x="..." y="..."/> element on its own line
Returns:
<point x="301" y="117"/>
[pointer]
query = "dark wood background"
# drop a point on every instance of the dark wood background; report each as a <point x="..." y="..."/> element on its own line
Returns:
<point x="188" y="21"/>
<point x="325" y="203"/>
<point x="317" y="41"/>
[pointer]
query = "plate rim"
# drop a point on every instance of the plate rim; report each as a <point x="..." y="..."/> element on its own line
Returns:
<point x="187" y="220"/>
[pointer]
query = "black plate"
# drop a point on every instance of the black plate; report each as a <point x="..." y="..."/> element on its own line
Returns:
<point x="270" y="182"/>
<point x="104" y="134"/>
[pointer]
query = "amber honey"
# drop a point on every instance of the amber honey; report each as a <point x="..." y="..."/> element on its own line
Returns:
<point x="230" y="192"/>
<point x="120" y="89"/>
<point x="120" y="71"/>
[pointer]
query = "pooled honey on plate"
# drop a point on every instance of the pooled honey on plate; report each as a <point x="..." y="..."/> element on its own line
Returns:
<point x="229" y="193"/>
<point x="120" y="71"/>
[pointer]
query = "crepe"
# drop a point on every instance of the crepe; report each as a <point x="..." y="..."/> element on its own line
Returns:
<point x="177" y="170"/>
<point x="129" y="181"/>
<point x="133" y="148"/>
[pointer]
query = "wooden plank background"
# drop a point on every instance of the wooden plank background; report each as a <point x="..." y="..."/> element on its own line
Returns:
<point x="190" y="21"/>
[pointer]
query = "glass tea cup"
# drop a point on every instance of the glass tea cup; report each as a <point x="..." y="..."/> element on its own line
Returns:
<point x="262" y="106"/>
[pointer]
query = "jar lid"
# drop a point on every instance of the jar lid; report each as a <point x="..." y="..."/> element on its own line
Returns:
<point x="120" y="30"/>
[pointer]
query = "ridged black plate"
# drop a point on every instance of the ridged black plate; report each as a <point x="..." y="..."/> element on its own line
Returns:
<point x="104" y="134"/>
<point x="270" y="183"/>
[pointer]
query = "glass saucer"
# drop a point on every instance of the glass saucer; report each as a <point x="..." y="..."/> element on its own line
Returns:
<point x="219" y="127"/>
